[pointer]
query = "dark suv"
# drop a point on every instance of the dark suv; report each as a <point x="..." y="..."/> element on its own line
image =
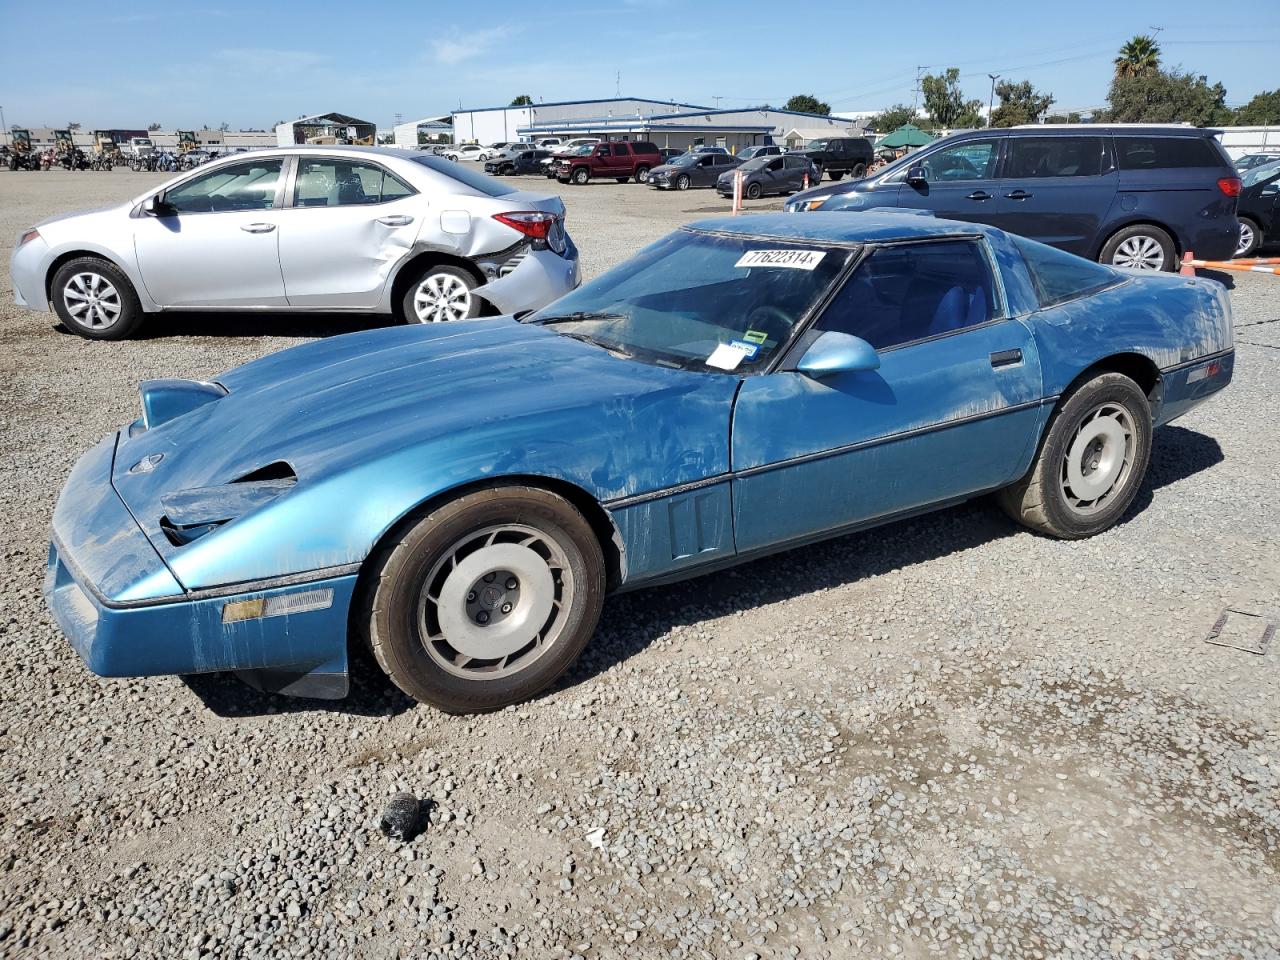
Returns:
<point x="839" y="155"/>
<point x="1131" y="196"/>
<point x="622" y="161"/>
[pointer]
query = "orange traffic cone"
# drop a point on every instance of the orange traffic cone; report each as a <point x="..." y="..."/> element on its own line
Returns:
<point x="1187" y="269"/>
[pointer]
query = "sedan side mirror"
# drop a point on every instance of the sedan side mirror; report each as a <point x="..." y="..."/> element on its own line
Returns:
<point x="156" y="207"/>
<point x="916" y="175"/>
<point x="835" y="352"/>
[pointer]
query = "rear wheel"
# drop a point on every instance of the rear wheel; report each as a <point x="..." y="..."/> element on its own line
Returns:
<point x="1091" y="463"/>
<point x="486" y="600"/>
<point x="642" y="174"/>
<point x="859" y="171"/>
<point x="1249" y="238"/>
<point x="95" y="299"/>
<point x="440" y="293"/>
<point x="1140" y="247"/>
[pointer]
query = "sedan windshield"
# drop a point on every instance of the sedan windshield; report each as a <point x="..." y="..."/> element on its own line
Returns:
<point x="1260" y="173"/>
<point x="700" y="301"/>
<point x="683" y="160"/>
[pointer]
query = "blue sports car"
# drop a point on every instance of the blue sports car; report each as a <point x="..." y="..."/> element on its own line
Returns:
<point x="463" y="495"/>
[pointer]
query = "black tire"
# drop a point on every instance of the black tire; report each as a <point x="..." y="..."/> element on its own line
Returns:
<point x="682" y="182"/>
<point x="754" y="191"/>
<point x="642" y="174"/>
<point x="1255" y="237"/>
<point x="1040" y="499"/>
<point x="447" y="274"/>
<point x="580" y="176"/>
<point x="1136" y="234"/>
<point x="396" y="613"/>
<point x="837" y="174"/>
<point x="859" y="171"/>
<point x="125" y="300"/>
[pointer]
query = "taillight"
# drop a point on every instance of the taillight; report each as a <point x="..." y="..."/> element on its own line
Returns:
<point x="28" y="236"/>
<point x="1230" y="186"/>
<point x="532" y="223"/>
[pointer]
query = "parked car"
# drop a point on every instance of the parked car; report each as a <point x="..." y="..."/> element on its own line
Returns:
<point x="765" y="176"/>
<point x="743" y="386"/>
<point x="464" y="151"/>
<point x="839" y="155"/>
<point x="577" y="142"/>
<point x="703" y="148"/>
<point x="1259" y="208"/>
<point x="1132" y="196"/>
<point x="549" y="143"/>
<point x="488" y="151"/>
<point x="511" y="151"/>
<point x="691" y="170"/>
<point x="367" y="229"/>
<point x="527" y="161"/>
<point x="621" y="161"/>
<point x="1251" y="160"/>
<point x="549" y="166"/>
<point x="760" y="150"/>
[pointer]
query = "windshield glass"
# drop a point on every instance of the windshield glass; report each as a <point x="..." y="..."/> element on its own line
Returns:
<point x="755" y="163"/>
<point x="817" y="145"/>
<point x="1260" y="173"/>
<point x="683" y="160"/>
<point x="699" y="301"/>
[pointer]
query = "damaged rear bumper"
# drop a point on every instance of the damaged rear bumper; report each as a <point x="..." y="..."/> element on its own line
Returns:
<point x="541" y="277"/>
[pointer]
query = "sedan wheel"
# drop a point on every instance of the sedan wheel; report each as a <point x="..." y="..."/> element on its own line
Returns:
<point x="95" y="299"/>
<point x="92" y="300"/>
<point x="682" y="182"/>
<point x="1248" y="238"/>
<point x="442" y="294"/>
<point x="1098" y="460"/>
<point x="754" y="191"/>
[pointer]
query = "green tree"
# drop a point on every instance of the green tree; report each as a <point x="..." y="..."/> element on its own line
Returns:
<point x="524" y="100"/>
<point x="945" y="103"/>
<point x="892" y="118"/>
<point x="153" y="127"/>
<point x="1263" y="109"/>
<point x="1071" y="117"/>
<point x="1167" y="96"/>
<point x="1140" y="55"/>
<point x="806" y="103"/>
<point x="1019" y="103"/>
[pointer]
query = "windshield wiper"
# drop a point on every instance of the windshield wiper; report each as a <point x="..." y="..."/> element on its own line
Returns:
<point x="583" y="338"/>
<point x="580" y="315"/>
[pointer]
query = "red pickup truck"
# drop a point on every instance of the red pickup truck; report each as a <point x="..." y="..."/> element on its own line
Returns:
<point x="622" y="161"/>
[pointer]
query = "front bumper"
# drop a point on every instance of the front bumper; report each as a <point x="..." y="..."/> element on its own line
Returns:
<point x="127" y="616"/>
<point x="27" y="269"/>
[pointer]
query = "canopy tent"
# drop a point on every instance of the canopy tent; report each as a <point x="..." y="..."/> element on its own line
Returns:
<point x="907" y="135"/>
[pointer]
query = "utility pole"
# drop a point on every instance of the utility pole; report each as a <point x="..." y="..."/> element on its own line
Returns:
<point x="717" y="100"/>
<point x="617" y="84"/>
<point x="3" y="129"/>
<point x="991" y="104"/>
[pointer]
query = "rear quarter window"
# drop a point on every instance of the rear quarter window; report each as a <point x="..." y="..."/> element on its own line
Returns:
<point x="644" y="146"/>
<point x="1059" y="276"/>
<point x="1163" y="153"/>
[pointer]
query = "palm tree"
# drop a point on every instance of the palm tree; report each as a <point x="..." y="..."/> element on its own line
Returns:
<point x="1139" y="55"/>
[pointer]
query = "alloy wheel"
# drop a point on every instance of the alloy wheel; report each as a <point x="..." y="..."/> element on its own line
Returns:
<point x="1139" y="252"/>
<point x="1246" y="238"/>
<point x="92" y="300"/>
<point x="440" y="297"/>
<point x="496" y="601"/>
<point x="1099" y="459"/>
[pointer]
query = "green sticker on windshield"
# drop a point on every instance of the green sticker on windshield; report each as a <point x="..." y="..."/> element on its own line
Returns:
<point x="755" y="336"/>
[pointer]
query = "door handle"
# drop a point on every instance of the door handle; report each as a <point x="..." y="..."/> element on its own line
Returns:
<point x="1006" y="358"/>
<point x="258" y="227"/>
<point x="1018" y="195"/>
<point x="396" y="220"/>
<point x="979" y="195"/>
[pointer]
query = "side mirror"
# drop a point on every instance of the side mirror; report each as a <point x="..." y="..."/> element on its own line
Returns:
<point x="834" y="353"/>
<point x="156" y="207"/>
<point x="915" y="175"/>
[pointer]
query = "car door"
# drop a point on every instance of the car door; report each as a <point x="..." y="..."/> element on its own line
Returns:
<point x="705" y="172"/>
<point x="1056" y="190"/>
<point x="959" y="181"/>
<point x="795" y="169"/>
<point x="214" y="238"/>
<point x="348" y="222"/>
<point x="773" y="177"/>
<point x="954" y="408"/>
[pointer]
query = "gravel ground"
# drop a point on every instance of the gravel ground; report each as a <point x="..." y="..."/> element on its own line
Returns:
<point x="947" y="737"/>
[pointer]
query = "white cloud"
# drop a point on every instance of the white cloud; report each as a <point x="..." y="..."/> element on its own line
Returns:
<point x="464" y="46"/>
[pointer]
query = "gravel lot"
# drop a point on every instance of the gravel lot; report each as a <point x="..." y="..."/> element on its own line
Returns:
<point x="948" y="737"/>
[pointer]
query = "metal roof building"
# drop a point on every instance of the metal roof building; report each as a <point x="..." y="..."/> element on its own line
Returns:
<point x="494" y="124"/>
<point x="435" y="128"/>
<point x="326" y="128"/>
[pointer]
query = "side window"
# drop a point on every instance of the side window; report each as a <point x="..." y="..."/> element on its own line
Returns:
<point x="795" y="163"/>
<point x="602" y="150"/>
<point x="1036" y="157"/>
<point x="1061" y="276"/>
<point x="325" y="182"/>
<point x="1157" y="153"/>
<point x="971" y="160"/>
<point x="706" y="161"/>
<point x="908" y="292"/>
<point x="622" y="149"/>
<point x="240" y="186"/>
<point x="774" y="165"/>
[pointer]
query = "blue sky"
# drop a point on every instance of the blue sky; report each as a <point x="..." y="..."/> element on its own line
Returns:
<point x="182" y="64"/>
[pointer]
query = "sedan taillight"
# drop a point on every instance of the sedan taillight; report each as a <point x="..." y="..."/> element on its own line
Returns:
<point x="1230" y="186"/>
<point x="535" y="224"/>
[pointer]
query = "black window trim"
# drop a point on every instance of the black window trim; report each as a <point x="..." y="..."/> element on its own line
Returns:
<point x="290" y="193"/>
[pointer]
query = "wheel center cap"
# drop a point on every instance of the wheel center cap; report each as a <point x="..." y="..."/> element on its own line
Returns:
<point x="490" y="596"/>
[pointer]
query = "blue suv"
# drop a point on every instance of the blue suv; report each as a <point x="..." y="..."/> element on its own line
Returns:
<point x="1130" y="196"/>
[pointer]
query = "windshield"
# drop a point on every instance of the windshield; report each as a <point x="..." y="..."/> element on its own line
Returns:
<point x="699" y="301"/>
<point x="817" y="145"/>
<point x="464" y="175"/>
<point x="683" y="160"/>
<point x="1260" y="173"/>
<point x="755" y="163"/>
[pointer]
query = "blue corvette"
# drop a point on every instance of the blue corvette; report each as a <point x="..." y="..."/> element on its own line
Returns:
<point x="463" y="495"/>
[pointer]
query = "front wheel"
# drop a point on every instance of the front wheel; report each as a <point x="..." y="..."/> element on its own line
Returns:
<point x="440" y="293"/>
<point x="95" y="299"/>
<point x="1091" y="463"/>
<point x="1248" y="238"/>
<point x="1140" y="247"/>
<point x="581" y="176"/>
<point x="754" y="191"/>
<point x="486" y="600"/>
<point x="682" y="182"/>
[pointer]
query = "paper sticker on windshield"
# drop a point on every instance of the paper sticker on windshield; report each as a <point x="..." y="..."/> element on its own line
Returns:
<point x="790" y="259"/>
<point x="727" y="356"/>
<point x="749" y="349"/>
<point x="755" y="336"/>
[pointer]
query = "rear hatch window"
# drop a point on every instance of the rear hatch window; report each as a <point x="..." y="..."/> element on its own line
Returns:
<point x="1166" y="153"/>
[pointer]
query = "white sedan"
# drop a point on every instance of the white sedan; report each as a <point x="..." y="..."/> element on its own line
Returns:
<point x="465" y="151"/>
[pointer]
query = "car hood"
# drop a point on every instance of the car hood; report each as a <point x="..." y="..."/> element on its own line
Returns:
<point x="84" y="215"/>
<point x="512" y="398"/>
